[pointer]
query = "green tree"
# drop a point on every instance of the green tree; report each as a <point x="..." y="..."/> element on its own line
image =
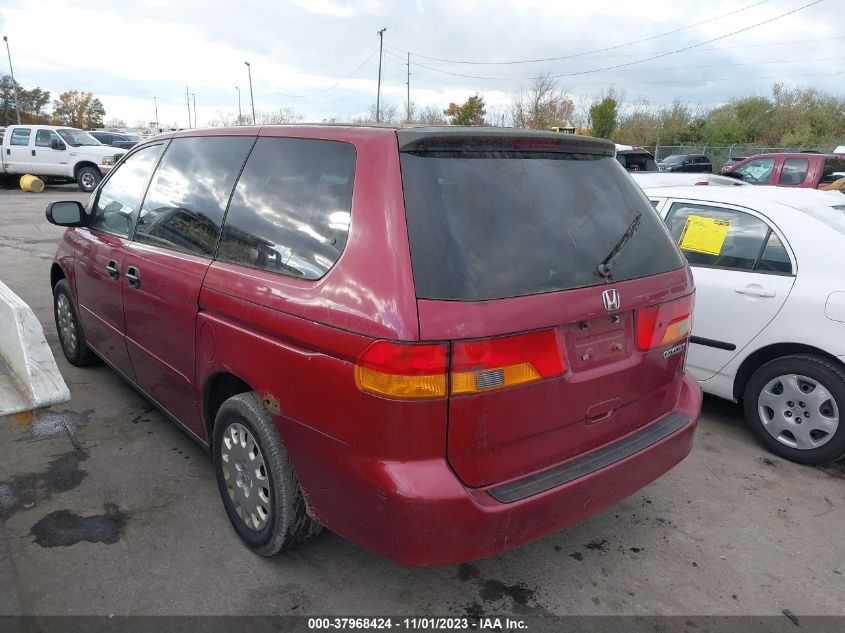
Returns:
<point x="603" y="117"/>
<point x="471" y="112"/>
<point x="78" y="109"/>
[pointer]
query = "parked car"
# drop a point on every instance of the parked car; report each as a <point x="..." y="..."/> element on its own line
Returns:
<point x="799" y="169"/>
<point x="635" y="159"/>
<point x="116" y="139"/>
<point x="697" y="163"/>
<point x="769" y="326"/>
<point x="437" y="342"/>
<point x="42" y="150"/>
<point x="675" y="179"/>
<point x="731" y="162"/>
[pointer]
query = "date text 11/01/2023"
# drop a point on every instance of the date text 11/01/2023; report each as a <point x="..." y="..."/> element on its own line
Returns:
<point x="421" y="623"/>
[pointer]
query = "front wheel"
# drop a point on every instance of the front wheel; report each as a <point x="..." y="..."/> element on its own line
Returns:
<point x="259" y="489"/>
<point x="794" y="405"/>
<point x="87" y="178"/>
<point x="71" y="334"/>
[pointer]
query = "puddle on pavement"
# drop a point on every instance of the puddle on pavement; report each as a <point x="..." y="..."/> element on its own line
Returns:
<point x="24" y="491"/>
<point x="49" y="424"/>
<point x="64" y="528"/>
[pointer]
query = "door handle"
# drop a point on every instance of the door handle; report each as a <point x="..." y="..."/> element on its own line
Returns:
<point x="133" y="277"/>
<point x="112" y="269"/>
<point x="33" y="152"/>
<point x="756" y="291"/>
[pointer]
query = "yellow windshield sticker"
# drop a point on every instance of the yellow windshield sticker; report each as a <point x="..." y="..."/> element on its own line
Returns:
<point x="704" y="235"/>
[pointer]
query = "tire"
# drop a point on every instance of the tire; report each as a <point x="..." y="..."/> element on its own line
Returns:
<point x="87" y="178"/>
<point x="270" y="517"/>
<point x="795" y="405"/>
<point x="71" y="336"/>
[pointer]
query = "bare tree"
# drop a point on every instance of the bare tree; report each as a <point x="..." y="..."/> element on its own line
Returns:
<point x="430" y="115"/>
<point x="389" y="113"/>
<point x="542" y="105"/>
<point x="280" y="116"/>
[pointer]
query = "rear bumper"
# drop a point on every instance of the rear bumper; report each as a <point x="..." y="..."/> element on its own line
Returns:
<point x="420" y="513"/>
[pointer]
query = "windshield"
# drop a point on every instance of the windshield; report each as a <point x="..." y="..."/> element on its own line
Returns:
<point x="496" y="224"/>
<point x="77" y="138"/>
<point x="675" y="158"/>
<point x="132" y="137"/>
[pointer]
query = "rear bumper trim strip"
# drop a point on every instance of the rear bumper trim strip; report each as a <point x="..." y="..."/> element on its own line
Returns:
<point x="577" y="468"/>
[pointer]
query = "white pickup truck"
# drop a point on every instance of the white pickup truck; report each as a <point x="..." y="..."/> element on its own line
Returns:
<point x="56" y="152"/>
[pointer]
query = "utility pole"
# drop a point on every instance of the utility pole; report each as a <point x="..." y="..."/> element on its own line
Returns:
<point x="155" y="101"/>
<point x="188" y="101"/>
<point x="240" y="118"/>
<point x="251" y="99"/>
<point x="408" y="84"/>
<point x="378" y="90"/>
<point x="195" y="108"/>
<point x="14" y="83"/>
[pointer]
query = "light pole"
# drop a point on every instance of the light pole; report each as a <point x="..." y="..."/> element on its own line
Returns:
<point x="14" y="83"/>
<point x="378" y="89"/>
<point x="251" y="100"/>
<point x="155" y="101"/>
<point x="195" y="109"/>
<point x="240" y="118"/>
<point x="188" y="102"/>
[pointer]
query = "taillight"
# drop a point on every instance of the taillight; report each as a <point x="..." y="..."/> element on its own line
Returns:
<point x="665" y="323"/>
<point x="480" y="366"/>
<point x="403" y="371"/>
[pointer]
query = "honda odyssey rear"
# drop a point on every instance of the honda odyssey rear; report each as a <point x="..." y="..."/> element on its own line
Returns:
<point x="440" y="343"/>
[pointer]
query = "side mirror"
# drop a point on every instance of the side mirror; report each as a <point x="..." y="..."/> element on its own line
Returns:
<point x="57" y="144"/>
<point x="66" y="213"/>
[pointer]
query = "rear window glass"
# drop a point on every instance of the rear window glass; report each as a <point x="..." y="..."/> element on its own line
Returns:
<point x="490" y="225"/>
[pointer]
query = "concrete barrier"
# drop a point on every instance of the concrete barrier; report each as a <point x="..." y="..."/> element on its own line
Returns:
<point x="29" y="377"/>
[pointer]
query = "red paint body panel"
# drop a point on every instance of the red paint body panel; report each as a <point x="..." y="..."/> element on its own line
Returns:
<point x="98" y="296"/>
<point x="406" y="479"/>
<point x="418" y="512"/>
<point x="813" y="177"/>
<point x="161" y="327"/>
<point x="568" y="415"/>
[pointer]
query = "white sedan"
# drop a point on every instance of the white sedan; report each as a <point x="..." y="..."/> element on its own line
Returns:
<point x="769" y="320"/>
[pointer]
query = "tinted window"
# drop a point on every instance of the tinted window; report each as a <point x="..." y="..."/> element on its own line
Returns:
<point x="488" y="225"/>
<point x="794" y="171"/>
<point x="738" y="245"/>
<point x="756" y="171"/>
<point x="637" y="161"/>
<point x="831" y="166"/>
<point x="775" y="258"/>
<point x="43" y="138"/>
<point x="184" y="206"/>
<point x="120" y="196"/>
<point x="20" y="136"/>
<point x="291" y="209"/>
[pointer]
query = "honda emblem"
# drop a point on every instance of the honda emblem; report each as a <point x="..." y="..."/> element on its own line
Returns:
<point x="611" y="300"/>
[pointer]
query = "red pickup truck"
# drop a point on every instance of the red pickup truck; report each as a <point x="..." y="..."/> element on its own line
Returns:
<point x="790" y="169"/>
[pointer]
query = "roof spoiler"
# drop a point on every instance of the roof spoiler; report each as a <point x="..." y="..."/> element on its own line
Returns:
<point x="477" y="139"/>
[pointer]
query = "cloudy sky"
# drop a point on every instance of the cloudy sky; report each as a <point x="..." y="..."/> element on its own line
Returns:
<point x="320" y="57"/>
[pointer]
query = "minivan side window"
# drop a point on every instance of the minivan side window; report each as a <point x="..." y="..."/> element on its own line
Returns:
<point x="120" y="196"/>
<point x="184" y="206"/>
<point x="831" y="167"/>
<point x="724" y="238"/>
<point x="290" y="212"/>
<point x="20" y="136"/>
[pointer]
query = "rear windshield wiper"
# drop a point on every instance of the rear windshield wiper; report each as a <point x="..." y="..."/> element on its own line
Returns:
<point x="605" y="268"/>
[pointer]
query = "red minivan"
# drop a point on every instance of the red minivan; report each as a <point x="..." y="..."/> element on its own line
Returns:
<point x="439" y="343"/>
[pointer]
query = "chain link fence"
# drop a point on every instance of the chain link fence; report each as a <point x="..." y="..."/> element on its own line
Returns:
<point x="719" y="154"/>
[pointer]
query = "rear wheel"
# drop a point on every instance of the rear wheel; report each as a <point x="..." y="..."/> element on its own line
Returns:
<point x="259" y="489"/>
<point x="795" y="407"/>
<point x="87" y="178"/>
<point x="71" y="335"/>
